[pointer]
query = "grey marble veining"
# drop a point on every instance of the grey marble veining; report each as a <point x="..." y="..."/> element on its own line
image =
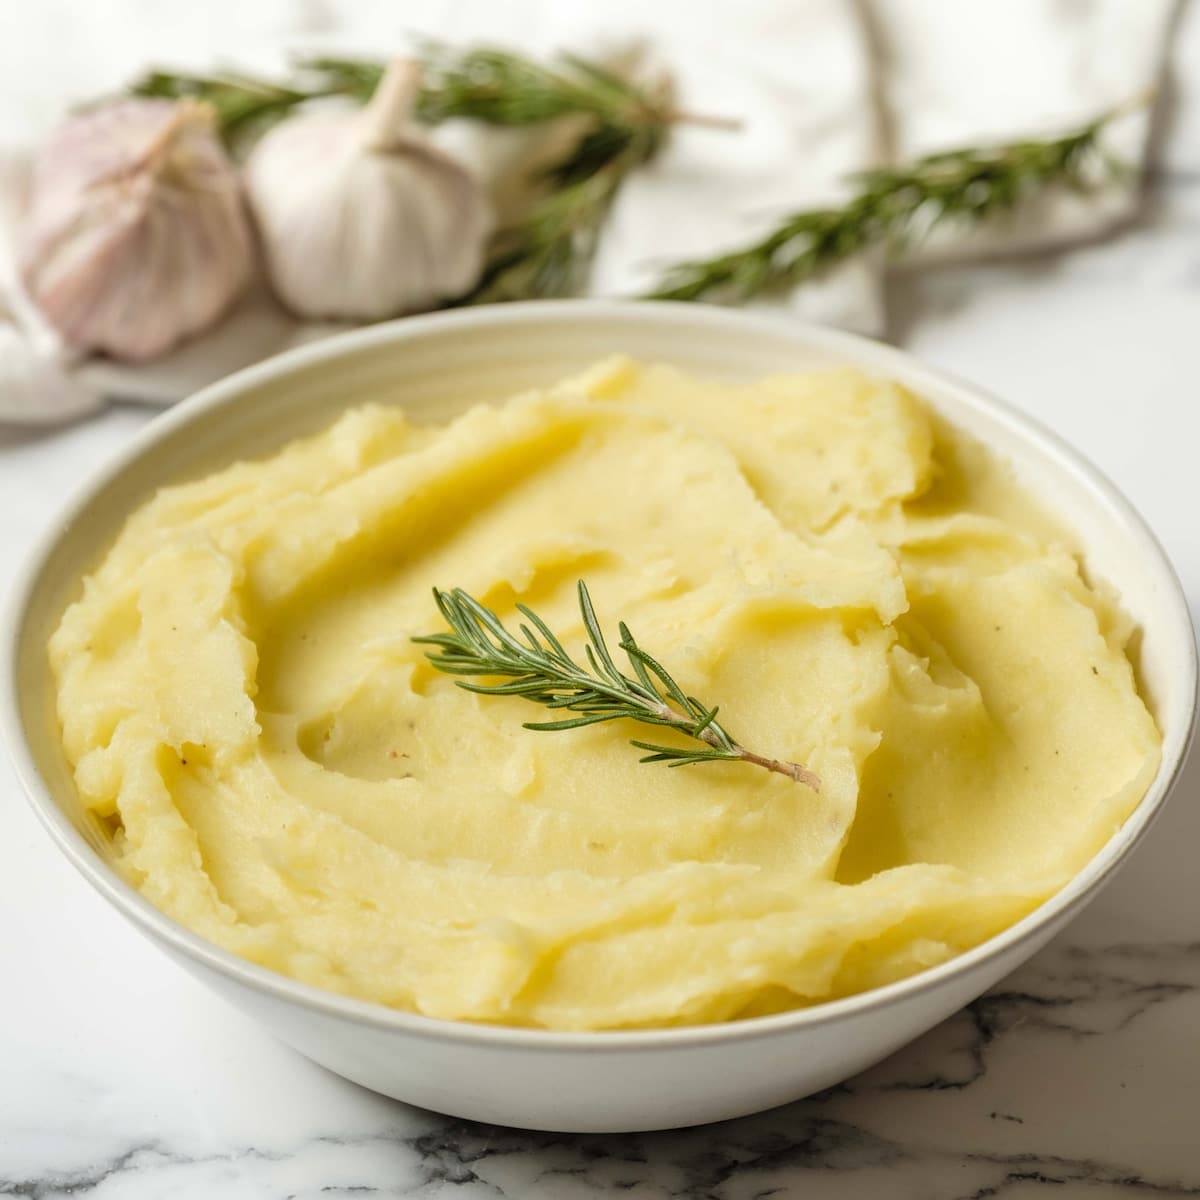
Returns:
<point x="938" y="1119"/>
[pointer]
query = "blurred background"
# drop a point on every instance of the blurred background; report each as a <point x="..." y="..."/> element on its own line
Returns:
<point x="727" y="122"/>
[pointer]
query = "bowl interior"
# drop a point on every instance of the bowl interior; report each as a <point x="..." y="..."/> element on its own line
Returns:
<point x="437" y="366"/>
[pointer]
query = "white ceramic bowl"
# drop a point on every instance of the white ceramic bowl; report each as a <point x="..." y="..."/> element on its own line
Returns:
<point x="564" y="1081"/>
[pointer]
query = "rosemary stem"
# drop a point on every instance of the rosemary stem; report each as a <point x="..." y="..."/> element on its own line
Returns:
<point x="794" y="771"/>
<point x="797" y="772"/>
<point x="682" y="116"/>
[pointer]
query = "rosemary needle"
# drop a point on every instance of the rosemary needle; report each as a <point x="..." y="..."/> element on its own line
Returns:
<point x="539" y="669"/>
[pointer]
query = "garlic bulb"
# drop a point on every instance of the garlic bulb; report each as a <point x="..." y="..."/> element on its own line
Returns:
<point x="360" y="216"/>
<point x="136" y="235"/>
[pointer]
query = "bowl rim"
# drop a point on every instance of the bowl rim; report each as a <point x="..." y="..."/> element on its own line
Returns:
<point x="861" y="351"/>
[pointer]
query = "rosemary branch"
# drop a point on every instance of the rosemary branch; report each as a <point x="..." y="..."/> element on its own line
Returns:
<point x="496" y="87"/>
<point x="892" y="205"/>
<point x="547" y="251"/>
<point x="540" y="669"/>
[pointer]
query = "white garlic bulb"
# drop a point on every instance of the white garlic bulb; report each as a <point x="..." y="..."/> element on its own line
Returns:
<point x="360" y="216"/>
<point x="136" y="236"/>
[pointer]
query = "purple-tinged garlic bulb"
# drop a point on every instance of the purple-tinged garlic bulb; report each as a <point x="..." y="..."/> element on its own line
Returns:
<point x="359" y="215"/>
<point x="137" y="236"/>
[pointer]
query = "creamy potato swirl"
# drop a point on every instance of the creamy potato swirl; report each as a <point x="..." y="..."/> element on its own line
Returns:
<point x="858" y="586"/>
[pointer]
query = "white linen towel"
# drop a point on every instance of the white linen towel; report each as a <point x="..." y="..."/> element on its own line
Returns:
<point x="824" y="88"/>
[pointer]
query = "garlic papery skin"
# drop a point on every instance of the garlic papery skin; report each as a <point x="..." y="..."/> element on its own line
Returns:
<point x="360" y="217"/>
<point x="137" y="236"/>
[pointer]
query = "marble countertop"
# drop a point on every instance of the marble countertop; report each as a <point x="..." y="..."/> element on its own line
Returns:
<point x="120" y="1077"/>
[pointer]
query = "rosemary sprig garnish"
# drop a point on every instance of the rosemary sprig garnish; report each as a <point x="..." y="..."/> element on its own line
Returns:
<point x="539" y="669"/>
<point x="892" y="205"/>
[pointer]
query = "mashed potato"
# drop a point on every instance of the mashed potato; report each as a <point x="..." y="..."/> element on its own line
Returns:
<point x="860" y="588"/>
